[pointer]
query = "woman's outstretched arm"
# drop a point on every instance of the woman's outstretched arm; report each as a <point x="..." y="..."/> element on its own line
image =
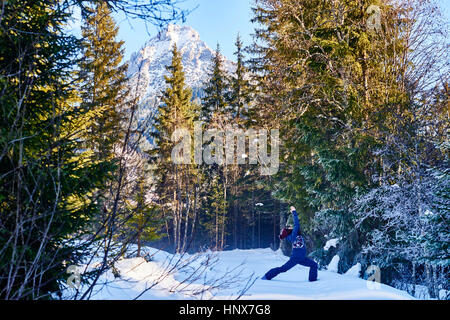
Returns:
<point x="294" y="233"/>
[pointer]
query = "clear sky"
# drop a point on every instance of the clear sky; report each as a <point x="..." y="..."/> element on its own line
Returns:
<point x="217" y="21"/>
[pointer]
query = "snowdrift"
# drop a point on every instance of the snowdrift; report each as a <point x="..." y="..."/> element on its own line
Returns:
<point x="227" y="275"/>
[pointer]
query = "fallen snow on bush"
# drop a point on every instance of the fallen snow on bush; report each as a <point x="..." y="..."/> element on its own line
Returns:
<point x="331" y="243"/>
<point x="354" y="271"/>
<point x="334" y="264"/>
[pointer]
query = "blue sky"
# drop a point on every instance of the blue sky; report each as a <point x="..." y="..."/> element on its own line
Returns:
<point x="217" y="21"/>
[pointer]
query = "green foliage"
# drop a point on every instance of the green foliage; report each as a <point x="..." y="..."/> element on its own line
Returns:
<point x="356" y="121"/>
<point x="47" y="176"/>
<point x="315" y="62"/>
<point x="214" y="208"/>
<point x="176" y="183"/>
<point x="240" y="89"/>
<point x="216" y="90"/>
<point x="102" y="79"/>
<point x="144" y="219"/>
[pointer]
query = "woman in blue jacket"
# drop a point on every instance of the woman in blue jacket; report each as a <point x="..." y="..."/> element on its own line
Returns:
<point x="298" y="255"/>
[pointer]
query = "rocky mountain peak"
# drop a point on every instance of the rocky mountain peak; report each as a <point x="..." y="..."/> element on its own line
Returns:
<point x="147" y="66"/>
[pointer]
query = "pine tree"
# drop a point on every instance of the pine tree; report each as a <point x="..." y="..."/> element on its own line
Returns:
<point x="228" y="215"/>
<point x="175" y="180"/>
<point x="47" y="177"/>
<point x="103" y="79"/>
<point x="240" y="89"/>
<point x="216" y="113"/>
<point x="216" y="90"/>
<point x="315" y="83"/>
<point x="49" y="172"/>
<point x="144" y="220"/>
<point x="357" y="122"/>
<point x="243" y="177"/>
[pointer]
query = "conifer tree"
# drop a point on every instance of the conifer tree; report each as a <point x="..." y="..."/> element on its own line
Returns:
<point x="240" y="90"/>
<point x="217" y="115"/>
<point x="242" y="176"/>
<point x="103" y="79"/>
<point x="216" y="90"/>
<point x="175" y="180"/>
<point x="144" y="219"/>
<point x="214" y="213"/>
<point x="313" y="83"/>
<point x="47" y="177"/>
<point x="355" y="119"/>
<point x="48" y="174"/>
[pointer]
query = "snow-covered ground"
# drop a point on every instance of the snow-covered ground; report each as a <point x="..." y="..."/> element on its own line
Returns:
<point x="226" y="275"/>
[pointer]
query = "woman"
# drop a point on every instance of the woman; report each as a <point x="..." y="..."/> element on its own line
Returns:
<point x="298" y="255"/>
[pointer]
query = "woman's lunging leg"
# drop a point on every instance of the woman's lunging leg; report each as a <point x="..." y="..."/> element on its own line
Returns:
<point x="312" y="268"/>
<point x="276" y="271"/>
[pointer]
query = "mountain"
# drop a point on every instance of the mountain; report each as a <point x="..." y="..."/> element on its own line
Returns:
<point x="147" y="66"/>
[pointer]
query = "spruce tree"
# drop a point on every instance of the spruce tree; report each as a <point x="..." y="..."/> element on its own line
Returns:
<point x="216" y="90"/>
<point x="314" y="70"/>
<point x="47" y="176"/>
<point x="240" y="89"/>
<point x="355" y="121"/>
<point x="243" y="177"/>
<point x="103" y="78"/>
<point x="175" y="180"/>
<point x="313" y="96"/>
<point x="144" y="220"/>
<point x="217" y="115"/>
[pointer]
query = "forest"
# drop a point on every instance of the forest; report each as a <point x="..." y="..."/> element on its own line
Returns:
<point x="359" y="100"/>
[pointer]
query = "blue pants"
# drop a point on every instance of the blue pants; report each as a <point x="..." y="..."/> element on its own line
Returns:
<point x="293" y="261"/>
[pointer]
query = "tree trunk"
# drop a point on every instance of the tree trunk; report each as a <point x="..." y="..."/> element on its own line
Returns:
<point x="253" y="221"/>
<point x="235" y="217"/>
<point x="194" y="218"/>
<point x="413" y="293"/>
<point x="139" y="244"/>
<point x="435" y="282"/>
<point x="217" y="230"/>
<point x="430" y="283"/>
<point x="188" y="209"/>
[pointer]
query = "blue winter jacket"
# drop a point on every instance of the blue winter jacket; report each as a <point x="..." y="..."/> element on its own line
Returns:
<point x="298" y="243"/>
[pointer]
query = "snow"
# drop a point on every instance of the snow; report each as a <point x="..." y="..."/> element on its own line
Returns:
<point x="354" y="271"/>
<point x="421" y="292"/>
<point x="331" y="243"/>
<point x="333" y="265"/>
<point x="225" y="274"/>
